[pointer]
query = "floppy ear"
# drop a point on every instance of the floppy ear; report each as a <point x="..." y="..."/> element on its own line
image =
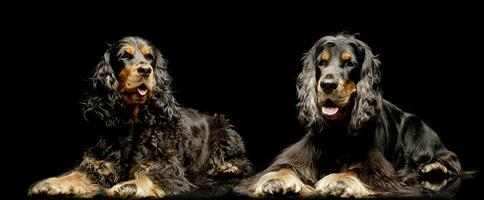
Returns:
<point x="369" y="95"/>
<point x="162" y="90"/>
<point x="104" y="77"/>
<point x="306" y="88"/>
<point x="103" y="98"/>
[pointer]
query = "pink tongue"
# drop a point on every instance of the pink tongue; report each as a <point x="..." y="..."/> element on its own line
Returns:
<point x="142" y="92"/>
<point x="330" y="110"/>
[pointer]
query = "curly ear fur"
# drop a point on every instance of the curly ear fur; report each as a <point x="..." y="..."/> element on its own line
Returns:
<point x="103" y="100"/>
<point x="309" y="113"/>
<point x="369" y="94"/>
<point x="163" y="103"/>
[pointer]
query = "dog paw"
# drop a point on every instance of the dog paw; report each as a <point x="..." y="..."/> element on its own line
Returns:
<point x="341" y="185"/>
<point x="277" y="186"/>
<point x="280" y="182"/>
<point x="49" y="186"/>
<point x="123" y="190"/>
<point x="433" y="176"/>
<point x="137" y="188"/>
<point x="75" y="184"/>
<point x="433" y="167"/>
<point x="224" y="169"/>
<point x="228" y="168"/>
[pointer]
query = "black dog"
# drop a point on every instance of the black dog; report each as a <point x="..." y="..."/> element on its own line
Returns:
<point x="358" y="144"/>
<point x="149" y="146"/>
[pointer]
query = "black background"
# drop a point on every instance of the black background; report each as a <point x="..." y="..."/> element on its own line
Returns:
<point x="238" y="60"/>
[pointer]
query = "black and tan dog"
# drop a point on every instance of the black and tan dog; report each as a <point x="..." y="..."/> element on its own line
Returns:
<point x="358" y="144"/>
<point x="149" y="146"/>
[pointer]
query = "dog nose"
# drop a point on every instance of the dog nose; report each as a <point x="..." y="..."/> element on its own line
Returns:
<point x="144" y="71"/>
<point x="329" y="86"/>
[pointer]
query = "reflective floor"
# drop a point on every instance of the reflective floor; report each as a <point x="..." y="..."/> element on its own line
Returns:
<point x="466" y="187"/>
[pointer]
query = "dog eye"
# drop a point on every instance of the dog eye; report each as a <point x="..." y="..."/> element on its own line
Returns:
<point x="126" y="56"/>
<point x="149" y="57"/>
<point x="349" y="64"/>
<point x="320" y="63"/>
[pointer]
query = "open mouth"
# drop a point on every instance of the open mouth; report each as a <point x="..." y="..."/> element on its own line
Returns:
<point x="138" y="94"/>
<point x="142" y="90"/>
<point x="138" y="91"/>
<point x="329" y="108"/>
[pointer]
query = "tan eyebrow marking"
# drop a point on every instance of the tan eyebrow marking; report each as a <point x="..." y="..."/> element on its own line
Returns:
<point x="129" y="49"/>
<point x="145" y="50"/>
<point x="325" y="56"/>
<point x="345" y="56"/>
